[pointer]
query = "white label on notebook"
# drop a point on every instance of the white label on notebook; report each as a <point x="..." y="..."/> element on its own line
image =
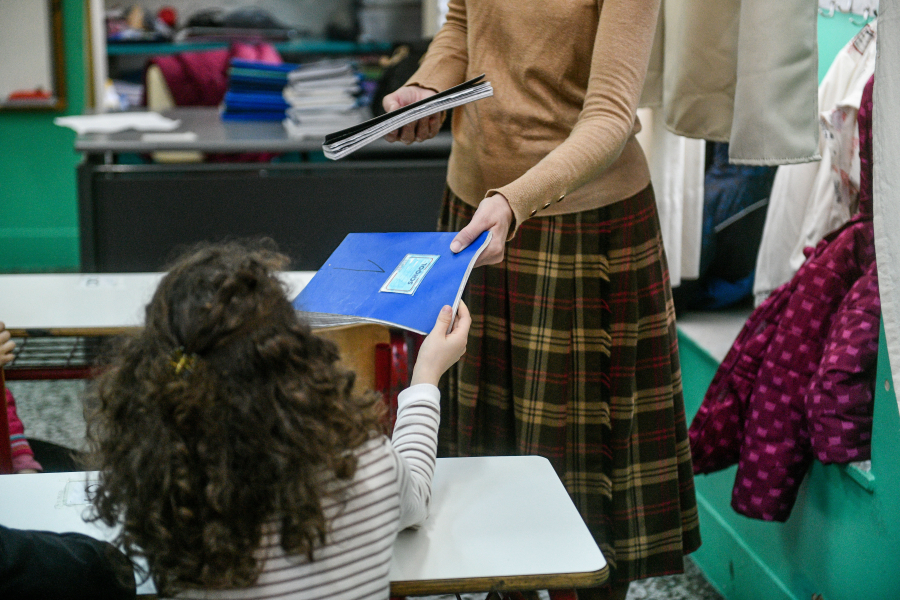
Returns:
<point x="409" y="273"/>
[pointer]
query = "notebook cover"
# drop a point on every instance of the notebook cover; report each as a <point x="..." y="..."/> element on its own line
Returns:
<point x="397" y="279"/>
<point x="345" y="133"/>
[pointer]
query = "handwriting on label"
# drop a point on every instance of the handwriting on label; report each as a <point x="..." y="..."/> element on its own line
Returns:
<point x="410" y="273"/>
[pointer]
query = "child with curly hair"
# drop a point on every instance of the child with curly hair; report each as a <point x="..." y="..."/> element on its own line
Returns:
<point x="236" y="456"/>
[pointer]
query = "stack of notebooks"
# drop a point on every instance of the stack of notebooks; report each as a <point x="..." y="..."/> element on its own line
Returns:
<point x="324" y="96"/>
<point x="343" y="142"/>
<point x="324" y="93"/>
<point x="255" y="91"/>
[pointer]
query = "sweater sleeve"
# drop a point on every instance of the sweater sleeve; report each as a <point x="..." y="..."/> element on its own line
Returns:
<point x="22" y="455"/>
<point x="415" y="442"/>
<point x="621" y="54"/>
<point x="444" y="65"/>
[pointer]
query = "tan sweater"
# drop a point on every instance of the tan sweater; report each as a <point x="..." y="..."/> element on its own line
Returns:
<point x="558" y="134"/>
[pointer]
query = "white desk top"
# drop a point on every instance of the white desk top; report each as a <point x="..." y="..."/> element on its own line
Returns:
<point x="88" y="301"/>
<point x="503" y="523"/>
<point x="495" y="523"/>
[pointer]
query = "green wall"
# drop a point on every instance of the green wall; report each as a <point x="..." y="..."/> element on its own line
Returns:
<point x="38" y="199"/>
<point x="842" y="539"/>
<point x="833" y="33"/>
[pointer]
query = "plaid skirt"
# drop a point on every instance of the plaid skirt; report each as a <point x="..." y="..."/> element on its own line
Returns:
<point x="573" y="356"/>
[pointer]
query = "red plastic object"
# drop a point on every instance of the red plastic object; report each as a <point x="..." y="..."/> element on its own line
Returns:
<point x="392" y="372"/>
<point x="563" y="594"/>
<point x="38" y="94"/>
<point x="167" y="15"/>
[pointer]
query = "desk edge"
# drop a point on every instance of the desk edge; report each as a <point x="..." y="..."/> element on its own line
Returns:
<point x="488" y="584"/>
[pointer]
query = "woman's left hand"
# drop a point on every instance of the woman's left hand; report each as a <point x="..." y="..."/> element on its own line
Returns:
<point x="494" y="215"/>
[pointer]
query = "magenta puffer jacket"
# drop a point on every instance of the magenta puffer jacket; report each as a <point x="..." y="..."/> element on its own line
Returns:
<point x="798" y="381"/>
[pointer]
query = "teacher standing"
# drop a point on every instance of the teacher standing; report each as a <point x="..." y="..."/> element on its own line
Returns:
<point x="572" y="352"/>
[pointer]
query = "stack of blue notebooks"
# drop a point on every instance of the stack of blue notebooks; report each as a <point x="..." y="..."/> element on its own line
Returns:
<point x="256" y="91"/>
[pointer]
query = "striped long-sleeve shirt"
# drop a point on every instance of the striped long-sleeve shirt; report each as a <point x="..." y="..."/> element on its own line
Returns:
<point x="390" y="492"/>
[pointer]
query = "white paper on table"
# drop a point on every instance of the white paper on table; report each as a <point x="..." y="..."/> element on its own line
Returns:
<point x="115" y="122"/>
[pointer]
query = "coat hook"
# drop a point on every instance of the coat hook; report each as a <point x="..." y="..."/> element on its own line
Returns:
<point x="830" y="12"/>
<point x="865" y="19"/>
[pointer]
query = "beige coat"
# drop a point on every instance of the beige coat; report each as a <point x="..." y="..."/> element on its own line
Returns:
<point x="739" y="71"/>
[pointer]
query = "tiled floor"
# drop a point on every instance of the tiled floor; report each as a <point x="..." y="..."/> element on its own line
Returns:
<point x="51" y="411"/>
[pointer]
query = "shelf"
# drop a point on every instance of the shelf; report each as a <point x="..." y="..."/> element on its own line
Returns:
<point x="294" y="46"/>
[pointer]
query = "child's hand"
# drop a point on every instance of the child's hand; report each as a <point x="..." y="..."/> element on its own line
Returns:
<point x="6" y="345"/>
<point x="440" y="349"/>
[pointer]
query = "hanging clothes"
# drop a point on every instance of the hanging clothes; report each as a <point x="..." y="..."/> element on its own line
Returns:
<point x="809" y="200"/>
<point x="201" y="78"/>
<point x="735" y="198"/>
<point x="798" y="380"/>
<point x="739" y="71"/>
<point x="677" y="166"/>
<point x="887" y="188"/>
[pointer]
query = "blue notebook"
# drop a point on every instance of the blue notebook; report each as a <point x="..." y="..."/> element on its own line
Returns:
<point x="258" y="100"/>
<point x="397" y="279"/>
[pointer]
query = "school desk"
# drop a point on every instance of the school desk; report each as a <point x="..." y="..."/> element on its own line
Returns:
<point x="60" y="321"/>
<point x="495" y="524"/>
<point x="131" y="215"/>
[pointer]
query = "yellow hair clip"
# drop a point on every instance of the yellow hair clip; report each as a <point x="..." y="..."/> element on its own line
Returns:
<point x="182" y="362"/>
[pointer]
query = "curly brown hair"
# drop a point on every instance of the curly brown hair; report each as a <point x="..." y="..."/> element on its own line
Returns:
<point x="218" y="416"/>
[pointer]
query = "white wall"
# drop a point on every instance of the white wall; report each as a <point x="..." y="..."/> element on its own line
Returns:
<point x="25" y="46"/>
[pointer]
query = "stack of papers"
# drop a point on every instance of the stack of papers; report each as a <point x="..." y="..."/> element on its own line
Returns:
<point x="324" y="85"/>
<point x="323" y="96"/>
<point x="342" y="143"/>
<point x="115" y="122"/>
<point x="316" y="124"/>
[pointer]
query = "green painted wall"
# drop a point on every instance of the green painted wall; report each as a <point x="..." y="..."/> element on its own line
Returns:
<point x="38" y="199"/>
<point x="833" y="33"/>
<point x="841" y="541"/>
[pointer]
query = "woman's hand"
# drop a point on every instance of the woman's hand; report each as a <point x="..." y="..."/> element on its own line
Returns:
<point x="417" y="131"/>
<point x="442" y="348"/>
<point x="494" y="215"/>
<point x="6" y="346"/>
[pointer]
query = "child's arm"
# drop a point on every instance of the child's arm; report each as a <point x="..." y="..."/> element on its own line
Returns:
<point x="6" y="345"/>
<point x="419" y="413"/>
<point x="441" y="350"/>
<point x="22" y="455"/>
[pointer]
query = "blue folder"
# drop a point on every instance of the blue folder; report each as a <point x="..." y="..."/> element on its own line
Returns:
<point x="397" y="279"/>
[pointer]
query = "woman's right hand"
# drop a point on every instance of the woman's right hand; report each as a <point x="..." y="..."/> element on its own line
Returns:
<point x="6" y="346"/>
<point x="442" y="348"/>
<point x="417" y="131"/>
